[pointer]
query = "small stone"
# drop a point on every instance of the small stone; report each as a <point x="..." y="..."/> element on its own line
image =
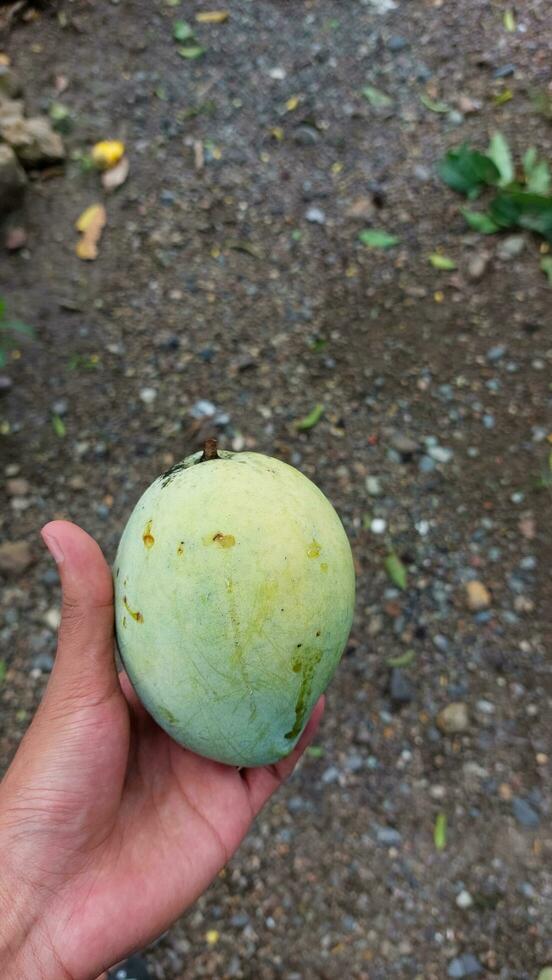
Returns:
<point x="306" y="136"/>
<point x="378" y="526"/>
<point x="203" y="409"/>
<point x="316" y="216"/>
<point x="524" y="813"/>
<point x="426" y="464"/>
<point x="18" y="487"/>
<point x="5" y="383"/>
<point x="12" y="180"/>
<point x="510" y="248"/>
<point x="478" y="596"/>
<point x="330" y="775"/>
<point x="466" y="965"/>
<point x="15" y="557"/>
<point x="403" y="444"/>
<point x="453" y="719"/>
<point x="496" y="353"/>
<point x="400" y="688"/>
<point x="43" y="662"/>
<point x="148" y="395"/>
<point x="60" y="406"/>
<point x="52" y="619"/>
<point x="50" y="577"/>
<point x="440" y="454"/>
<point x="33" y="140"/>
<point x="16" y="239"/>
<point x="361" y="209"/>
<point x="388" y="836"/>
<point x="478" y="266"/>
<point x="464" y="900"/>
<point x="373" y="486"/>
<point x="397" y="43"/>
<point x="77" y="482"/>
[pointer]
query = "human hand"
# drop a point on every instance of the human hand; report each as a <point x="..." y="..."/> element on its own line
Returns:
<point x="109" y="830"/>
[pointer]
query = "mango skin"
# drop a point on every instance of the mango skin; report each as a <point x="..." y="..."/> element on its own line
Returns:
<point x="234" y="596"/>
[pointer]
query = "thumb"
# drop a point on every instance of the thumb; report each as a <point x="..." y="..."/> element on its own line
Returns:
<point x="85" y="665"/>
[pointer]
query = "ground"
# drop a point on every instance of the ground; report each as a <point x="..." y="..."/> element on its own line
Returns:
<point x="240" y="280"/>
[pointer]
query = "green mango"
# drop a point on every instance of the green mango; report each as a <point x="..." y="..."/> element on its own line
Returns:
<point x="234" y="596"/>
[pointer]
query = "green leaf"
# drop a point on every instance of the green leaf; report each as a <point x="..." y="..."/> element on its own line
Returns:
<point x="433" y="105"/>
<point x="509" y="21"/>
<point x="499" y="152"/>
<point x="310" y="420"/>
<point x="396" y="570"/>
<point x="3" y="670"/>
<point x="466" y="171"/>
<point x="377" y="98"/>
<point x="18" y="327"/>
<point x="192" y="52"/>
<point x="439" y="261"/>
<point x="502" y="97"/>
<point x="537" y="172"/>
<point x="440" y="831"/>
<point x="182" y="31"/>
<point x="373" y="238"/>
<point x="2" y="308"/>
<point x="546" y="266"/>
<point x="315" y="751"/>
<point x="519" y="208"/>
<point x="58" y="425"/>
<point x="480" y="222"/>
<point x="404" y="660"/>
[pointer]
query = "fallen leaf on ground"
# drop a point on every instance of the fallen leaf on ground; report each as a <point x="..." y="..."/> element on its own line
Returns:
<point x="466" y="171"/>
<point x="292" y="103"/>
<point x="396" y="570"/>
<point x="377" y="98"/>
<point x="191" y="52"/>
<point x="434" y="105"/>
<point x="116" y="176"/>
<point x="480" y="222"/>
<point x="91" y="224"/>
<point x="373" y="238"/>
<point x="182" y="31"/>
<point x="509" y="21"/>
<point x="213" y="17"/>
<point x="403" y="660"/>
<point x="440" y="831"/>
<point x="58" y="425"/>
<point x="499" y="152"/>
<point x="107" y="153"/>
<point x="439" y="261"/>
<point x="310" y="420"/>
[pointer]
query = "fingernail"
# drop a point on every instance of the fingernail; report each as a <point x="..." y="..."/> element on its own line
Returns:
<point x="53" y="547"/>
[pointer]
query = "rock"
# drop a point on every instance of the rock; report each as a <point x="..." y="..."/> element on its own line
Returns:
<point x="404" y="444"/>
<point x="478" y="596"/>
<point x="397" y="43"/>
<point x="378" y="526"/>
<point x="44" y="662"/>
<point x="464" y="900"/>
<point x="453" y="719"/>
<point x="10" y="85"/>
<point x="400" y="688"/>
<point x="77" y="482"/>
<point x="6" y="383"/>
<point x="388" y="836"/>
<point x="524" y="813"/>
<point x="148" y="395"/>
<point x="10" y="111"/>
<point x="16" y="239"/>
<point x="373" y="486"/>
<point x="510" y="248"/>
<point x="466" y="965"/>
<point x="18" y="487"/>
<point x="440" y="454"/>
<point x="477" y="266"/>
<point x="12" y="180"/>
<point x="15" y="557"/>
<point x="496" y="353"/>
<point x="316" y="216"/>
<point x="306" y="136"/>
<point x="52" y="619"/>
<point x="426" y="464"/>
<point x="361" y="209"/>
<point x="34" y="141"/>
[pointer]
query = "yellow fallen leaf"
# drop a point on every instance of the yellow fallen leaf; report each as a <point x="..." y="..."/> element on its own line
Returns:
<point x="212" y="937"/>
<point x="292" y="103"/>
<point x="277" y="133"/>
<point x="107" y="153"/>
<point x="91" y="224"/>
<point x="116" y="176"/>
<point x="213" y="17"/>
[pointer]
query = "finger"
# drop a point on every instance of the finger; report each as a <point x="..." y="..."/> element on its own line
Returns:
<point x="85" y="663"/>
<point x="265" y="780"/>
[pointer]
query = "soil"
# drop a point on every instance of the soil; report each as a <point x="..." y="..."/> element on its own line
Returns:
<point x="231" y="271"/>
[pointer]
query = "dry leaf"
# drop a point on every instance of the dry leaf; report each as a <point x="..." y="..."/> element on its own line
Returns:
<point x="91" y="224"/>
<point x="213" y="17"/>
<point x="116" y="176"/>
<point x="107" y="153"/>
<point x="61" y="84"/>
<point x="199" y="155"/>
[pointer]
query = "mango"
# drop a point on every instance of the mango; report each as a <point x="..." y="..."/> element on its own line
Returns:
<point x="234" y="596"/>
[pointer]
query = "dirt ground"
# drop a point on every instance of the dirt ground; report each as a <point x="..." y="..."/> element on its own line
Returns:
<point x="239" y="279"/>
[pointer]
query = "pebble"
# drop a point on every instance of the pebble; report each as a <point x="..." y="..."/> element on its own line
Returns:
<point x="453" y="719"/>
<point x="15" y="557"/>
<point x="203" y="409"/>
<point x="330" y="775"/>
<point x="60" y="406"/>
<point x="50" y="577"/>
<point x="52" y="619"/>
<point x="148" y="395"/>
<point x="426" y="464"/>
<point x="388" y="836"/>
<point x="464" y="900"/>
<point x="18" y="487"/>
<point x="43" y="662"/>
<point x="316" y="216"/>
<point x="400" y="688"/>
<point x="495" y="353"/>
<point x="478" y="596"/>
<point x="466" y="965"/>
<point x="440" y="454"/>
<point x="404" y="444"/>
<point x="397" y="43"/>
<point x="378" y="526"/>
<point x="306" y="136"/>
<point x="510" y="248"/>
<point x="524" y="813"/>
<point x="373" y="486"/>
<point x="5" y="384"/>
<point x="477" y="267"/>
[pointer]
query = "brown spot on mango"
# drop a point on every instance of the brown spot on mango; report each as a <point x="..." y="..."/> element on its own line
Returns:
<point x="224" y="540"/>
<point x="180" y="549"/>
<point x="136" y="615"/>
<point x="147" y="536"/>
<point x="314" y="550"/>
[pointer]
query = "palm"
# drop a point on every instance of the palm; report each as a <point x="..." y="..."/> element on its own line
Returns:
<point x="131" y="827"/>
